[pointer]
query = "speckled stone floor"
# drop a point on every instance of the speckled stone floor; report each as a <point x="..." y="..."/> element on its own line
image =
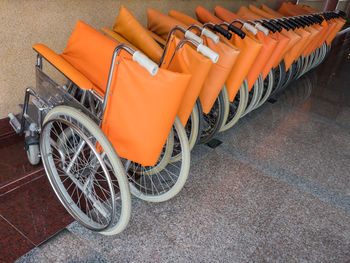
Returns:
<point x="276" y="190"/>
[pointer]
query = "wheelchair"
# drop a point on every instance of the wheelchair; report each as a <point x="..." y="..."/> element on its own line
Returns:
<point x="109" y="132"/>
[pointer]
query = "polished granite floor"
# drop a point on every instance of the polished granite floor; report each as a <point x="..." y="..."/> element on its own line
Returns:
<point x="276" y="189"/>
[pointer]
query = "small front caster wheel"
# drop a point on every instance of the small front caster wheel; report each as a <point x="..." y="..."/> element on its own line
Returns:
<point x="33" y="154"/>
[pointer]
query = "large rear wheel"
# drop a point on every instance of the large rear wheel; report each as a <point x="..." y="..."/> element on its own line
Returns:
<point x="214" y="119"/>
<point x="85" y="171"/>
<point x="236" y="107"/>
<point x="162" y="184"/>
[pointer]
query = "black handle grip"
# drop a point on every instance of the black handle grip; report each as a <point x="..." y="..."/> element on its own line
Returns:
<point x="284" y="25"/>
<point x="342" y="14"/>
<point x="327" y="16"/>
<point x="333" y="15"/>
<point x="268" y="26"/>
<point x="310" y="20"/>
<point x="291" y="25"/>
<point x="278" y="27"/>
<point x="301" y="22"/>
<point x="318" y="18"/>
<point x="297" y="23"/>
<point x="237" y="31"/>
<point x="313" y="19"/>
<point x="292" y="22"/>
<point x="223" y="31"/>
<point x="306" y="21"/>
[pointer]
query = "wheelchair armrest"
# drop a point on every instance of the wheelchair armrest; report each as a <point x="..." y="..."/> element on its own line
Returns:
<point x="62" y="65"/>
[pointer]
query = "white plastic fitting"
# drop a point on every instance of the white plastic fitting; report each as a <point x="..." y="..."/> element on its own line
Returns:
<point x="250" y="28"/>
<point x="192" y="36"/>
<point x="208" y="53"/>
<point x="211" y="35"/>
<point x="262" y="28"/>
<point x="145" y="62"/>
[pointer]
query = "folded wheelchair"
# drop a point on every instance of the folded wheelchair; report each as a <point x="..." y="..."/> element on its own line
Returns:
<point x="110" y="130"/>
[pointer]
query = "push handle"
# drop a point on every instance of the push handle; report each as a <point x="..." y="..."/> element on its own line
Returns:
<point x="278" y="28"/>
<point x="292" y="22"/>
<point x="192" y="36"/>
<point x="208" y="53"/>
<point x="262" y="29"/>
<point x="211" y="35"/>
<point x="145" y="62"/>
<point x="269" y="27"/>
<point x="298" y="23"/>
<point x="284" y="25"/>
<point x="306" y="21"/>
<point x="319" y="18"/>
<point x="237" y="31"/>
<point x="250" y="28"/>
<point x="312" y="19"/>
<point x="291" y="25"/>
<point x="223" y="31"/>
<point x="341" y="14"/>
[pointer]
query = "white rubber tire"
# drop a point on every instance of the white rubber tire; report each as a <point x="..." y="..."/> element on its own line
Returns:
<point x="186" y="159"/>
<point x="114" y="160"/>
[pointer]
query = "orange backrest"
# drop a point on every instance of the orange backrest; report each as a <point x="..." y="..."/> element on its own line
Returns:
<point x="249" y="49"/>
<point x="141" y="109"/>
<point x="128" y="26"/>
<point x="187" y="60"/>
<point x="90" y="52"/>
<point x="161" y="24"/>
<point x="262" y="64"/>
<point x="219" y="72"/>
<point x="117" y="37"/>
<point x="270" y="11"/>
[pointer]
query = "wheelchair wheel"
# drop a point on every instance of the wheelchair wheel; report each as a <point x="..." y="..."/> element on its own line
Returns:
<point x="287" y="78"/>
<point x="260" y="82"/>
<point x="33" y="154"/>
<point x="306" y="63"/>
<point x="310" y="62"/>
<point x="163" y="184"/>
<point x="253" y="96"/>
<point x="300" y="64"/>
<point x="268" y="84"/>
<point x="85" y="171"/>
<point x="236" y="108"/>
<point x="295" y="70"/>
<point x="214" y="119"/>
<point x="277" y="79"/>
<point x="193" y="128"/>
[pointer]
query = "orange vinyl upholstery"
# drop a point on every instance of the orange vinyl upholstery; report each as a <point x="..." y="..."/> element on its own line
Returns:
<point x="128" y="26"/>
<point x="86" y="59"/>
<point x="186" y="59"/>
<point x="270" y="42"/>
<point x="289" y="54"/>
<point x="141" y="110"/>
<point x="62" y="65"/>
<point x="135" y="94"/>
<point x="120" y="39"/>
<point x="249" y="50"/>
<point x="219" y="72"/>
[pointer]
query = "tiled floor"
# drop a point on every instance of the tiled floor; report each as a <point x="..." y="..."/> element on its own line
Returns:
<point x="276" y="189"/>
<point x="29" y="211"/>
